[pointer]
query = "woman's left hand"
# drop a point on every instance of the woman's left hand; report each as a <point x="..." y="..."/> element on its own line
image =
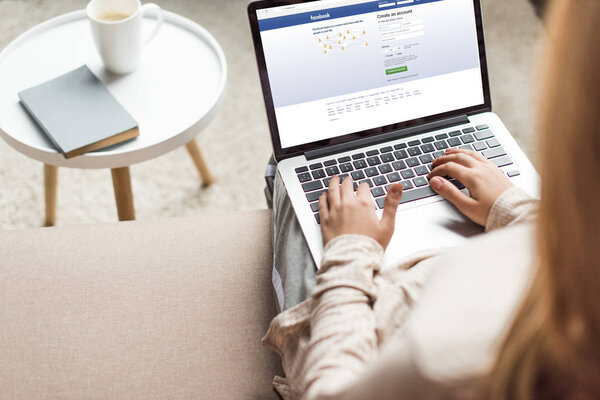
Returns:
<point x="343" y="213"/>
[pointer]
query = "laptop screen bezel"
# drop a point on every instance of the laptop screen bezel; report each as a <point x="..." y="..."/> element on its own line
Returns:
<point x="282" y="153"/>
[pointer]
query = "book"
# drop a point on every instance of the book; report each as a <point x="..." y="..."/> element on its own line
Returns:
<point x="78" y="113"/>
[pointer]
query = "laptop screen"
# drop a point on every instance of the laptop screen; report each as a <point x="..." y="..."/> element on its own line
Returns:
<point x="337" y="67"/>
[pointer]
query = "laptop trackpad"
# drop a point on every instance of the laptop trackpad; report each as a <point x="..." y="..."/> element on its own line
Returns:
<point x="430" y="226"/>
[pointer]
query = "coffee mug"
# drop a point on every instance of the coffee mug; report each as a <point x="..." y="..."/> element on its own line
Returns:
<point x="117" y="30"/>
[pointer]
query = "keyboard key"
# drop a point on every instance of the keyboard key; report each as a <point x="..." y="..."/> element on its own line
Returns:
<point x="493" y="143"/>
<point x="316" y="166"/>
<point x="301" y="169"/>
<point x="466" y="139"/>
<point x="393" y="177"/>
<point x="427" y="140"/>
<point x="438" y="154"/>
<point x="342" y="177"/>
<point x="398" y="165"/>
<point x="406" y="185"/>
<point x="313" y="196"/>
<point x="358" y="155"/>
<point x="318" y="218"/>
<point x="468" y="130"/>
<point x="479" y="146"/>
<point x="426" y="158"/>
<point x="513" y="173"/>
<point x="421" y="170"/>
<point x="385" y="168"/>
<point x="493" y="153"/>
<point x="441" y="136"/>
<point x="373" y="161"/>
<point x="412" y="162"/>
<point x="359" y="164"/>
<point x="400" y="146"/>
<point x="486" y="134"/>
<point x="310" y="186"/>
<point x="400" y="154"/>
<point x="372" y="153"/>
<point x="454" y="133"/>
<point x="347" y="167"/>
<point x="314" y="206"/>
<point x="417" y="194"/>
<point x="357" y="175"/>
<point x="332" y="170"/>
<point x="388" y="157"/>
<point x="481" y="127"/>
<point x="343" y="159"/>
<point x="407" y="174"/>
<point x="367" y="181"/>
<point x="427" y="148"/>
<point x="387" y="149"/>
<point x="502" y="161"/>
<point x="415" y="142"/>
<point x="457" y="183"/>
<point x="305" y="177"/>
<point x="318" y="174"/>
<point x="466" y="147"/>
<point x="372" y="171"/>
<point x="377" y="191"/>
<point x="420" y="181"/>
<point x="454" y="142"/>
<point x="414" y="151"/>
<point x="329" y="163"/>
<point x="441" y="145"/>
<point x="379" y="180"/>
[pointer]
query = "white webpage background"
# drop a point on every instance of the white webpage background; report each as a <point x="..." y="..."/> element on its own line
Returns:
<point x="465" y="87"/>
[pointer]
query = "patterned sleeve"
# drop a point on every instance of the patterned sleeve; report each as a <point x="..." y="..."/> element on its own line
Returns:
<point x="512" y="207"/>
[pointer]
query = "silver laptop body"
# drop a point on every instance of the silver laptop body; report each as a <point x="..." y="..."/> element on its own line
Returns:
<point x="376" y="90"/>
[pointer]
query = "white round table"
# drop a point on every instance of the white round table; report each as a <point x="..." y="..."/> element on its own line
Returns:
<point x="173" y="95"/>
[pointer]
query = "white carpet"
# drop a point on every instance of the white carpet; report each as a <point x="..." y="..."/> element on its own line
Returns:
<point x="236" y="145"/>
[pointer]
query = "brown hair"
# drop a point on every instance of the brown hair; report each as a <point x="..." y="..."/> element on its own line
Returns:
<point x="552" y="350"/>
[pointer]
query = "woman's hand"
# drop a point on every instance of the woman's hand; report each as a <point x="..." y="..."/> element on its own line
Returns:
<point x="485" y="181"/>
<point x="343" y="213"/>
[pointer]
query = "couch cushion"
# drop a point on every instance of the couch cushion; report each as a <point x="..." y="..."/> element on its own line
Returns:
<point x="138" y="310"/>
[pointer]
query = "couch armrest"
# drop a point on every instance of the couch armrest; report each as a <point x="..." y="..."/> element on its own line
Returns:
<point x="151" y="310"/>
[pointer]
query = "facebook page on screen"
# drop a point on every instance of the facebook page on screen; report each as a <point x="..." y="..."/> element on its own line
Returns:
<point x="338" y="67"/>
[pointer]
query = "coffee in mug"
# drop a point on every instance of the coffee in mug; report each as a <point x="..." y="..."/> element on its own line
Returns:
<point x="117" y="30"/>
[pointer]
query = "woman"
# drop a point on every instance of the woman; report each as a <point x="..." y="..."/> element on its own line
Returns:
<point x="373" y="332"/>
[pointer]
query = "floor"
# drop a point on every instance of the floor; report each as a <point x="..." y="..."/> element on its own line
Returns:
<point x="236" y="144"/>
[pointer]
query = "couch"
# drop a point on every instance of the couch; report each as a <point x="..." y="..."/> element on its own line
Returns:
<point x="162" y="309"/>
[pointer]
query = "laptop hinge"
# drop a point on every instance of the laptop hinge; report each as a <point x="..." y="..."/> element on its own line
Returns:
<point x="385" y="137"/>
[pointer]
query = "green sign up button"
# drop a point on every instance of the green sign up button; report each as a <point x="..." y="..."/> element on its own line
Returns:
<point x="396" y="70"/>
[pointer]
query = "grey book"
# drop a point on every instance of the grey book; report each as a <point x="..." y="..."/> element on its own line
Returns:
<point x="78" y="113"/>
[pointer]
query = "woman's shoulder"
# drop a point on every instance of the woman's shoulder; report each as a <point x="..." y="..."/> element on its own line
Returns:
<point x="467" y="304"/>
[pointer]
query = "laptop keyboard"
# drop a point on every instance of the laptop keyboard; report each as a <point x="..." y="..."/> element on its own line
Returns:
<point x="406" y="163"/>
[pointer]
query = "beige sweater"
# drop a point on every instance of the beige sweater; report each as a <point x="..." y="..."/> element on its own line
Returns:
<point x="429" y="327"/>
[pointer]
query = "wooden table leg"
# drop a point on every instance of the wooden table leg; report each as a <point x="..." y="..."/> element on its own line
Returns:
<point x="50" y="183"/>
<point x="194" y="150"/>
<point x="123" y="193"/>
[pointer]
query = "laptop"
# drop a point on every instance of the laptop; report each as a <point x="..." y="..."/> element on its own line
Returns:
<point x="377" y="90"/>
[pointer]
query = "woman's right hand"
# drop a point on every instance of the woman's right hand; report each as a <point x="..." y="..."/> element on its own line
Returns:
<point x="485" y="181"/>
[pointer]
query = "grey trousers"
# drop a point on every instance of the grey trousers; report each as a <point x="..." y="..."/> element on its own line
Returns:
<point x="294" y="270"/>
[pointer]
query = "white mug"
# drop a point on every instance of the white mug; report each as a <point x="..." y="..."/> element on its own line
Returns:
<point x="120" y="41"/>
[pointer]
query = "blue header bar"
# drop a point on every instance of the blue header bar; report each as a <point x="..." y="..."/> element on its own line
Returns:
<point x="381" y="6"/>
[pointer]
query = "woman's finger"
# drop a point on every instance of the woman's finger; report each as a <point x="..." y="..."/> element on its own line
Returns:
<point x="363" y="192"/>
<point x="473" y="154"/>
<point x="347" y="189"/>
<point x="459" y="158"/>
<point x="390" y="205"/>
<point x="451" y="193"/>
<point x="333" y="196"/>
<point x="453" y="170"/>
<point x="323" y="207"/>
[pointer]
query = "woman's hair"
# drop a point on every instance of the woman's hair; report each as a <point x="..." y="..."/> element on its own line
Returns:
<point x="552" y="350"/>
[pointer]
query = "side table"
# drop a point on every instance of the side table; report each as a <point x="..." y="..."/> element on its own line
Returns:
<point x="173" y="95"/>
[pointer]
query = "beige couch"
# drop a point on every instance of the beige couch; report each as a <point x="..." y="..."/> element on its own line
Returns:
<point x="138" y="310"/>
